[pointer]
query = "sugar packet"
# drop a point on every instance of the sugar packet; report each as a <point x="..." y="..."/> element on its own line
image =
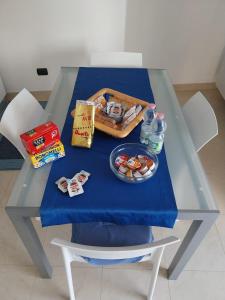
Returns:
<point x="82" y="177"/>
<point x="62" y="184"/>
<point x="74" y="187"/>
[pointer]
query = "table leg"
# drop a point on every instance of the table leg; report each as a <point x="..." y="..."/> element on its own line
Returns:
<point x="31" y="241"/>
<point x="191" y="241"/>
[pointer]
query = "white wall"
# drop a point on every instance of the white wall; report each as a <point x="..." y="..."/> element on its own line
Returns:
<point x="51" y="33"/>
<point x="220" y="75"/>
<point x="184" y="36"/>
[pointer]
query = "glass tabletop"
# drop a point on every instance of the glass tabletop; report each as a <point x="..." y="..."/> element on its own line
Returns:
<point x="189" y="182"/>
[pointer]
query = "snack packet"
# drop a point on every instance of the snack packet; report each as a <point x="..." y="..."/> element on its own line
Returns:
<point x="99" y="103"/>
<point x="74" y="187"/>
<point x="83" y="125"/>
<point x="82" y="177"/>
<point x="62" y="184"/>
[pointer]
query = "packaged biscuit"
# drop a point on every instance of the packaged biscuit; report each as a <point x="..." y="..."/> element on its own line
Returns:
<point x="48" y="155"/>
<point x="83" y="125"/>
<point x="40" y="137"/>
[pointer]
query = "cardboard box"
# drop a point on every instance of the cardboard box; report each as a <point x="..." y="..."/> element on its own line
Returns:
<point x="40" y="138"/>
<point x="53" y="153"/>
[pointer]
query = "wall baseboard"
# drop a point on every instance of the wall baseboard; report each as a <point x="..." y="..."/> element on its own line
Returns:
<point x="39" y="95"/>
<point x="44" y="95"/>
<point x="195" y="86"/>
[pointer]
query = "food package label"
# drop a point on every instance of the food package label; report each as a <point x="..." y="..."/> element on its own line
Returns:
<point x="83" y="125"/>
<point x="40" y="137"/>
<point x="52" y="153"/>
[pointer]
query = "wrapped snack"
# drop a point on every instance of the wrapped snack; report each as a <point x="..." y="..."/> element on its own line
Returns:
<point x="99" y="103"/>
<point x="129" y="112"/>
<point x="74" y="187"/>
<point x="114" y="110"/>
<point x="83" y="125"/>
<point x="150" y="163"/>
<point x="122" y="169"/>
<point x="137" y="174"/>
<point x="148" y="173"/>
<point x="146" y="161"/>
<point x="82" y="177"/>
<point x="62" y="184"/>
<point x="129" y="173"/>
<point x="144" y="168"/>
<point x="138" y="109"/>
<point x="142" y="159"/>
<point x="128" y="120"/>
<point x="133" y="163"/>
<point x="121" y="160"/>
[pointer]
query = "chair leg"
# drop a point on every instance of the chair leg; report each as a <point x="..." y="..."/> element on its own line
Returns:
<point x="69" y="277"/>
<point x="155" y="271"/>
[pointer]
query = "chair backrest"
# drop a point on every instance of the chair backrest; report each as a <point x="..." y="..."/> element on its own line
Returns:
<point x="75" y="252"/>
<point x="116" y="59"/>
<point x="23" y="113"/>
<point x="78" y="250"/>
<point x="201" y="120"/>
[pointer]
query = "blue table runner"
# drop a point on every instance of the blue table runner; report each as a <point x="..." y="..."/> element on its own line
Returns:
<point x="105" y="197"/>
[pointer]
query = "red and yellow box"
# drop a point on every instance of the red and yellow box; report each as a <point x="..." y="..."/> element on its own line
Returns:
<point x="40" y="138"/>
<point x="48" y="155"/>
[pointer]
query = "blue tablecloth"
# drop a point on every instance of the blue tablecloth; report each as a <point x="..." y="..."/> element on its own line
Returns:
<point x="106" y="198"/>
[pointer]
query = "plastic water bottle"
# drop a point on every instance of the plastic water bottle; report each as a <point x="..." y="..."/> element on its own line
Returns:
<point x="156" y="138"/>
<point x="146" y="125"/>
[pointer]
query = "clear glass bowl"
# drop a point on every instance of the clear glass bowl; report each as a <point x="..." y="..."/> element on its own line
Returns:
<point x="132" y="149"/>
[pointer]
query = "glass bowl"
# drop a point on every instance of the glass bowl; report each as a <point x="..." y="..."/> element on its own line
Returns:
<point x="131" y="150"/>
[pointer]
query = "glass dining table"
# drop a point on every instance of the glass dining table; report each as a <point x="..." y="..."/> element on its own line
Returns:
<point x="192" y="192"/>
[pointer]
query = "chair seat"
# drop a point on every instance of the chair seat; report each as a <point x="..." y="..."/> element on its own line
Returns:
<point x="110" y="235"/>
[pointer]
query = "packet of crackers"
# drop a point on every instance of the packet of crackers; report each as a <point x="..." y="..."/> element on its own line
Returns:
<point x="84" y="124"/>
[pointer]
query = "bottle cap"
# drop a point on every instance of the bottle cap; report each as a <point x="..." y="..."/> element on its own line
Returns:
<point x="160" y="115"/>
<point x="152" y="106"/>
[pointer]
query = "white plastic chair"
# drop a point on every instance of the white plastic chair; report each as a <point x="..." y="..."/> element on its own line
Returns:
<point x="152" y="252"/>
<point x="116" y="59"/>
<point x="23" y="113"/>
<point x="201" y="120"/>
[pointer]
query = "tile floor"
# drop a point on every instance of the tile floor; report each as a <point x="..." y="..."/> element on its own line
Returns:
<point x="204" y="275"/>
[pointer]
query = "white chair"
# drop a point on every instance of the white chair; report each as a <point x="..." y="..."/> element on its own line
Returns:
<point x="116" y="59"/>
<point x="201" y="120"/>
<point x="152" y="252"/>
<point x="23" y="113"/>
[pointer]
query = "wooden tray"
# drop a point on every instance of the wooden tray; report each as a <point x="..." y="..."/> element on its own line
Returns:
<point x="117" y="131"/>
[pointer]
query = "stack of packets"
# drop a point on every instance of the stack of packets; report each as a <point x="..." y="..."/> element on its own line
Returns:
<point x="84" y="124"/>
<point x="73" y="186"/>
<point x="135" y="166"/>
<point x="114" y="112"/>
<point x="43" y="144"/>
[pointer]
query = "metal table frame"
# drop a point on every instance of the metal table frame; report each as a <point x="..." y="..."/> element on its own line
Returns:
<point x="194" y="199"/>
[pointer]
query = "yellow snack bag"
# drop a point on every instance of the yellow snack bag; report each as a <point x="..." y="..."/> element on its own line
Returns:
<point x="83" y="124"/>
